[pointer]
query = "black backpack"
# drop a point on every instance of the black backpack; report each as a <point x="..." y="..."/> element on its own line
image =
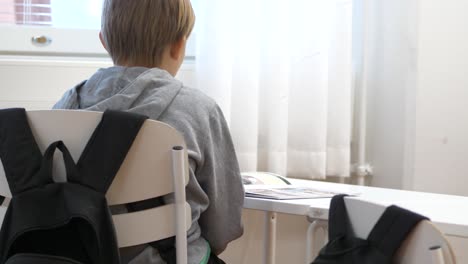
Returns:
<point x="379" y="248"/>
<point x="56" y="223"/>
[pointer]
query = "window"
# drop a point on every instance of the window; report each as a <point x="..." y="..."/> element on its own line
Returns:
<point x="26" y="12"/>
<point x="58" y="27"/>
<point x="53" y="27"/>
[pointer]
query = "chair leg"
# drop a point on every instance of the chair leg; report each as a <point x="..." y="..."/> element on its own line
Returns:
<point x="178" y="170"/>
<point x="270" y="238"/>
<point x="314" y="226"/>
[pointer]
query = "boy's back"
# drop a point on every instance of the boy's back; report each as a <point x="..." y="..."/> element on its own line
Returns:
<point x="214" y="191"/>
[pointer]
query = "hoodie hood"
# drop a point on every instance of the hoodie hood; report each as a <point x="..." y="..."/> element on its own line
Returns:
<point x="147" y="91"/>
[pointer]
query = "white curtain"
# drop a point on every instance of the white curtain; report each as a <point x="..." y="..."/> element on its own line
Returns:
<point x="281" y="72"/>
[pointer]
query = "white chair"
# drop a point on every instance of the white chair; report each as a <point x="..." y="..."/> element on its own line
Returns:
<point x="155" y="165"/>
<point x="425" y="244"/>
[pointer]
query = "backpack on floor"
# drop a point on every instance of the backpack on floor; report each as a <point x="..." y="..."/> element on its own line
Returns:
<point x="67" y="222"/>
<point x="383" y="241"/>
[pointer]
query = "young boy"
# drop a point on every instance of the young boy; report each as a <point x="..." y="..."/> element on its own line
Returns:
<point x="146" y="40"/>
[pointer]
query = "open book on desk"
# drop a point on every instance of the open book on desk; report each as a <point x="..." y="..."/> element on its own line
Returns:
<point x="268" y="185"/>
<point x="263" y="178"/>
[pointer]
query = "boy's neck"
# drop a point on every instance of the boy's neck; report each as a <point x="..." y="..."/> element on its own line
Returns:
<point x="170" y="70"/>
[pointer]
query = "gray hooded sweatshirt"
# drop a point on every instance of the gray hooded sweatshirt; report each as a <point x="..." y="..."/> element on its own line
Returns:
<point x="214" y="192"/>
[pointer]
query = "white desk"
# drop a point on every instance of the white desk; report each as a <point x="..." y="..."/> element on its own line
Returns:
<point x="448" y="212"/>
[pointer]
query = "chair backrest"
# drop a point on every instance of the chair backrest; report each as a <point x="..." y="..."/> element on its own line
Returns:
<point x="425" y="244"/>
<point x="155" y="165"/>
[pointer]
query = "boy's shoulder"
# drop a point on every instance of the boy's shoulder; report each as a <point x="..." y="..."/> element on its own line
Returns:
<point x="196" y="99"/>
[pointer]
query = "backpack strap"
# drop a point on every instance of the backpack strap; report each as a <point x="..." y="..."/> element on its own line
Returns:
<point x="392" y="229"/>
<point x="339" y="224"/>
<point x="107" y="148"/>
<point x="45" y="172"/>
<point x="20" y="155"/>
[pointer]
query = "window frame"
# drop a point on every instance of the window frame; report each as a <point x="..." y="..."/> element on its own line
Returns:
<point x="63" y="41"/>
<point x="18" y="39"/>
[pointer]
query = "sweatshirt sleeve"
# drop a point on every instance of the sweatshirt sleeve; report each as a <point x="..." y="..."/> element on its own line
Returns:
<point x="221" y="222"/>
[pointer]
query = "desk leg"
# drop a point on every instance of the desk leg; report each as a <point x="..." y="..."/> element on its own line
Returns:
<point x="270" y="238"/>
<point x="315" y="225"/>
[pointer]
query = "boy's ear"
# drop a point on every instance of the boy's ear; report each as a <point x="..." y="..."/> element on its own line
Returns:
<point x="178" y="48"/>
<point x="101" y="38"/>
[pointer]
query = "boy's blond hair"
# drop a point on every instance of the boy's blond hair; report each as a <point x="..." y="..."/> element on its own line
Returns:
<point x="136" y="32"/>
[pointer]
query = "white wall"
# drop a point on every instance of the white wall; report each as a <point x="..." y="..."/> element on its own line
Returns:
<point x="418" y="89"/>
<point x="36" y="82"/>
<point x="391" y="86"/>
<point x="441" y="131"/>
